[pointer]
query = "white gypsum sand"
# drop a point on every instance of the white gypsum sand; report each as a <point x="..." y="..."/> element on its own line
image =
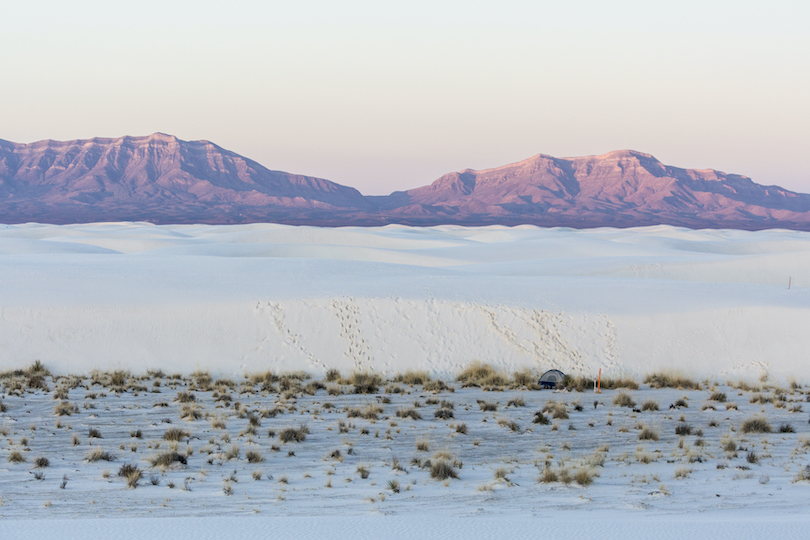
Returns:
<point x="252" y="297"/>
<point x="364" y="454"/>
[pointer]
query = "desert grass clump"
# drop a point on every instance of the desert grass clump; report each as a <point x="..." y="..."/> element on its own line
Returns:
<point x="186" y="397"/>
<point x="623" y="399"/>
<point x="557" y="409"/>
<point x="15" y="456"/>
<point x="671" y="379"/>
<point x="41" y="462"/>
<point x="369" y="412"/>
<point x="65" y="408"/>
<point x="411" y="413"/>
<point x="190" y="412"/>
<point x="441" y="469"/>
<point x="253" y="456"/>
<point x="444" y="413"/>
<point x="484" y="376"/>
<point x="719" y="397"/>
<point x="332" y="375"/>
<point x="755" y="425"/>
<point x="175" y="434"/>
<point x="392" y="485"/>
<point x="786" y="428"/>
<point x="683" y="429"/>
<point x="413" y="377"/>
<point x="423" y="445"/>
<point x="584" y="477"/>
<point x="94" y="433"/>
<point x="461" y="428"/>
<point x="524" y="377"/>
<point x="167" y="459"/>
<point x="622" y="381"/>
<point x="488" y="405"/>
<point x="294" y="434"/>
<point x="511" y="424"/>
<point x="682" y="472"/>
<point x="97" y="454"/>
<point x="648" y="434"/>
<point x="516" y="402"/>
<point x="365" y="382"/>
<point x="540" y="418"/>
<point x="649" y="405"/>
<point x="548" y="476"/>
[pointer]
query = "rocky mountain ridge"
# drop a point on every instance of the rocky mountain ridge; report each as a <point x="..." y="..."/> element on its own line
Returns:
<point x="162" y="179"/>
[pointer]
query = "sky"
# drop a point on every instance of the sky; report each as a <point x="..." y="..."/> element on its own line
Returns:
<point x="386" y="96"/>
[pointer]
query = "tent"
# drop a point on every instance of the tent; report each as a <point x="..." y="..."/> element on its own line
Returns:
<point x="551" y="378"/>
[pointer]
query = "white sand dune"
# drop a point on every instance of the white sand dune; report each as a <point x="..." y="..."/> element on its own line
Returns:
<point x="244" y="298"/>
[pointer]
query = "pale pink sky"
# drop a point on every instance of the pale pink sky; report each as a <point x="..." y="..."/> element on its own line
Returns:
<point x="384" y="96"/>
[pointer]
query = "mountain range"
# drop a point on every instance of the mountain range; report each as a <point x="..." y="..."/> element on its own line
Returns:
<point x="162" y="179"/>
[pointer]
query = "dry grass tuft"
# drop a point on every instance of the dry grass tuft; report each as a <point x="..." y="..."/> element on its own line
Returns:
<point x="484" y="376"/>
<point x="441" y="469"/>
<point x="623" y="399"/>
<point x="294" y="434"/>
<point x="671" y="379"/>
<point x="97" y="454"/>
<point x="175" y="434"/>
<point x="755" y="425"/>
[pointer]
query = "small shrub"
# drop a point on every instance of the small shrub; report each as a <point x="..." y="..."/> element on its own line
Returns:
<point x="584" y="477"/>
<point x="175" y="434"/>
<point x="786" y="428"/>
<point x="680" y="403"/>
<point x="683" y="429"/>
<point x="409" y="413"/>
<point x="94" y="433"/>
<point x="623" y="399"/>
<point x="648" y="434"/>
<point x="665" y="379"/>
<point x="752" y="457"/>
<point x="186" y="397"/>
<point x="15" y="456"/>
<point x="548" y="476"/>
<point x="444" y="414"/>
<point x="190" y="412"/>
<point x="296" y="434"/>
<point x="362" y="471"/>
<point x="97" y="454"/>
<point x="413" y="377"/>
<point x="393" y="485"/>
<point x="719" y="397"/>
<point x="253" y="456"/>
<point x="365" y="383"/>
<point x="167" y="459"/>
<point x="649" y="405"/>
<point x="488" y="405"/>
<point x="461" y="428"/>
<point x="65" y="408"/>
<point x="41" y="462"/>
<point x="540" y="418"/>
<point x="423" y="445"/>
<point x="441" y="469"/>
<point x="755" y="425"/>
<point x="516" y="402"/>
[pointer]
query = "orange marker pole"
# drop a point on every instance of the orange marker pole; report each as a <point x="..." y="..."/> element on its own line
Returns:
<point x="599" y="384"/>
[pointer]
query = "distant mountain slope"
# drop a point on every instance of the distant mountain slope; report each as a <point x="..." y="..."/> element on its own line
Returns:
<point x="156" y="178"/>
<point x="619" y="188"/>
<point x="162" y="179"/>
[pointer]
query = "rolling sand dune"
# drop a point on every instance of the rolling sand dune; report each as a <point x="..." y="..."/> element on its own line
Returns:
<point x="261" y="296"/>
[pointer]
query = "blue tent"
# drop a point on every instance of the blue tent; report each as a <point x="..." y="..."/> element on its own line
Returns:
<point x="551" y="378"/>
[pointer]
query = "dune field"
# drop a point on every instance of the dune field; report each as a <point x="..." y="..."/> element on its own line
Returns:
<point x="231" y="299"/>
<point x="333" y="382"/>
